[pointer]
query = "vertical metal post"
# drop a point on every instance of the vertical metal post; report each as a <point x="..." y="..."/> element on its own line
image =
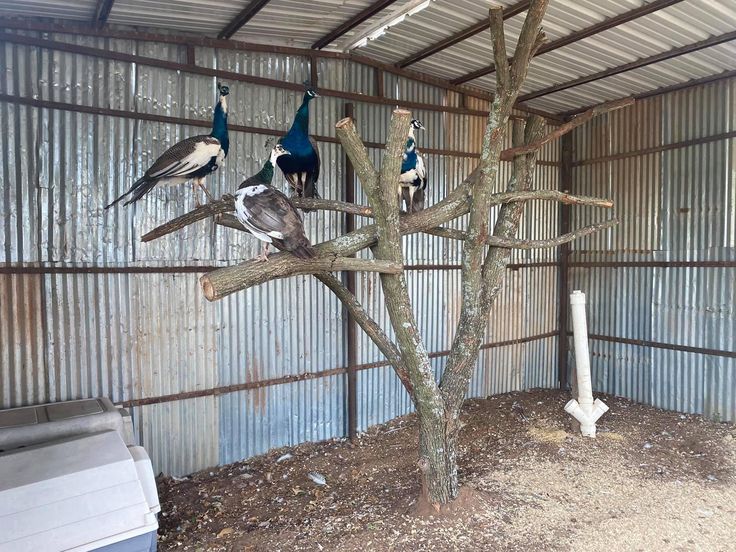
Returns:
<point x="379" y="82"/>
<point x="563" y="253"/>
<point x="191" y="55"/>
<point x="349" y="277"/>
<point x="313" y="74"/>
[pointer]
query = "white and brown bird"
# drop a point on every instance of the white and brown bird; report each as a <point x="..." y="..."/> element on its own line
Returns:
<point x="269" y="215"/>
<point x="191" y="159"/>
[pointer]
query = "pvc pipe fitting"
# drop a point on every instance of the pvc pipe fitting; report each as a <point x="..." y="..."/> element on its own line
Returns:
<point x="584" y="410"/>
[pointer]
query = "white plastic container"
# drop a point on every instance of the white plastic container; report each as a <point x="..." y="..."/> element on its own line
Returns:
<point x="82" y="493"/>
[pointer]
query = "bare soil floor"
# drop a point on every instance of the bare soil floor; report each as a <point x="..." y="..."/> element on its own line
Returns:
<point x="652" y="480"/>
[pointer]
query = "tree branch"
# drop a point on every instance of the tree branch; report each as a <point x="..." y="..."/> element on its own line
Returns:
<point x="369" y="326"/>
<point x="516" y="243"/>
<point x="550" y="195"/>
<point x="500" y="59"/>
<point x="225" y="205"/>
<point x="529" y="41"/>
<point x="474" y="316"/>
<point x="351" y="303"/>
<point x="583" y="118"/>
<point x="224" y="281"/>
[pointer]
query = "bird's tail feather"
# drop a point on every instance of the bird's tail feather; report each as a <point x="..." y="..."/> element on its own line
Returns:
<point x="139" y="188"/>
<point x="309" y="190"/>
<point x="304" y="252"/>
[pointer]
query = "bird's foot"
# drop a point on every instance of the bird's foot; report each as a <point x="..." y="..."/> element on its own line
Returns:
<point x="263" y="257"/>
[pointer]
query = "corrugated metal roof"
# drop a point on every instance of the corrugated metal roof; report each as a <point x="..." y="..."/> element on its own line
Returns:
<point x="301" y="22"/>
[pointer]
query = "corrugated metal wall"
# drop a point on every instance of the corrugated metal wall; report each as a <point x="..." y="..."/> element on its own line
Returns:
<point x="86" y="309"/>
<point x="675" y="204"/>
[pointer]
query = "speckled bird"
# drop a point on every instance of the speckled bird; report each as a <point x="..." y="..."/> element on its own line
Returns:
<point x="269" y="215"/>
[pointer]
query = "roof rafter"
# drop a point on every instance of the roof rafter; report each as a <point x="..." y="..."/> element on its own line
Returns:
<point x="102" y="12"/>
<point x="604" y="25"/>
<point x="246" y="14"/>
<point x="660" y="91"/>
<point x="460" y="36"/>
<point x="643" y="62"/>
<point x="351" y="23"/>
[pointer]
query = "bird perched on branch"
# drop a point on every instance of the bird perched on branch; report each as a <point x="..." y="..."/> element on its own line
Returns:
<point x="191" y="159"/>
<point x="269" y="215"/>
<point x="302" y="163"/>
<point x="413" y="179"/>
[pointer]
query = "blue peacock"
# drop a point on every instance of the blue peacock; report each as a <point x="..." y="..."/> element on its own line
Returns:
<point x="413" y="179"/>
<point x="302" y="163"/>
<point x="191" y="159"/>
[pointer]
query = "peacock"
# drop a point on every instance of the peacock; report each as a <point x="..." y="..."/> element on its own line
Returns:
<point x="413" y="179"/>
<point x="302" y="163"/>
<point x="191" y="159"/>
<point x="269" y="215"/>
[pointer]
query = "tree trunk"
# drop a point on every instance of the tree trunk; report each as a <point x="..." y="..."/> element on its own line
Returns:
<point x="437" y="461"/>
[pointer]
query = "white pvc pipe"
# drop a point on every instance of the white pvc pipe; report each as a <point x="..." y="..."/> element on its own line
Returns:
<point x="584" y="410"/>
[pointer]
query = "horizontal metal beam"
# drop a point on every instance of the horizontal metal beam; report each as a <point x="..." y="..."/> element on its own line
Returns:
<point x="658" y="149"/>
<point x="226" y="389"/>
<point x="248" y="13"/>
<point x="347" y="26"/>
<point x="661" y="91"/>
<point x="226" y="75"/>
<point x="659" y="345"/>
<point x="138" y="116"/>
<point x="24" y="269"/>
<point x="576" y="36"/>
<point x="187" y="269"/>
<point x="206" y="42"/>
<point x="643" y="62"/>
<point x="466" y="33"/>
<point x="652" y="264"/>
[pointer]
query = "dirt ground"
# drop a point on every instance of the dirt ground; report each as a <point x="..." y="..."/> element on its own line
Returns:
<point x="652" y="480"/>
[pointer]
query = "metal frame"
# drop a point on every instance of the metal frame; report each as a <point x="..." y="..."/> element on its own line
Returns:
<point x="563" y="257"/>
<point x="604" y="25"/>
<point x="229" y="75"/>
<point x="643" y="62"/>
<point x="664" y="90"/>
<point x="223" y="390"/>
<point x="237" y="23"/>
<point x="351" y="326"/>
<point x="351" y="23"/>
<point x="466" y="33"/>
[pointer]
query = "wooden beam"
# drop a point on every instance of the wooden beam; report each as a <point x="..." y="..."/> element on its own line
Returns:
<point x="351" y="23"/>
<point x="643" y="62"/>
<point x="247" y="13"/>
<point x="102" y="12"/>
<point x="604" y="25"/>
<point x="466" y="33"/>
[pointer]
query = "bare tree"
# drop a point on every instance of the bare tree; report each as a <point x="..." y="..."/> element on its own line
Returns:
<point x="485" y="253"/>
